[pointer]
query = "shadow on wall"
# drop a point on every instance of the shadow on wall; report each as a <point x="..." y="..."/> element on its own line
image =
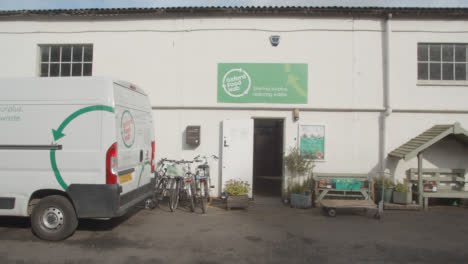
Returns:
<point x="391" y="164"/>
<point x="448" y="153"/>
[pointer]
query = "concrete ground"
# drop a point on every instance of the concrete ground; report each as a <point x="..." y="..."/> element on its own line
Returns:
<point x="268" y="232"/>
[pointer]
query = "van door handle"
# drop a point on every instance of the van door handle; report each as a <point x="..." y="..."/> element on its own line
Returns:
<point x="141" y="155"/>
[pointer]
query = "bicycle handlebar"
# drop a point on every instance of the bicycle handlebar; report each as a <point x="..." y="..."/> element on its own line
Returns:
<point x="167" y="160"/>
<point x="175" y="161"/>
<point x="198" y="157"/>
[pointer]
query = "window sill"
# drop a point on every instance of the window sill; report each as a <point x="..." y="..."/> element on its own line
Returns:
<point x="441" y="83"/>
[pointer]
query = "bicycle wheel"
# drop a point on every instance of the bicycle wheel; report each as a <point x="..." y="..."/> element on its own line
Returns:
<point x="207" y="185"/>
<point x="175" y="189"/>
<point x="190" y="195"/>
<point x="169" y="189"/>
<point x="159" y="192"/>
<point x="204" y="195"/>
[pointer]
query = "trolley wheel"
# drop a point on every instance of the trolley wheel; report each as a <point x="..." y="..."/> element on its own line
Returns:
<point x="332" y="212"/>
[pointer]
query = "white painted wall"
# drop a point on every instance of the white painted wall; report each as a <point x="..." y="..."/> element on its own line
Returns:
<point x="406" y="93"/>
<point x="179" y="57"/>
<point x="175" y="61"/>
<point x="349" y="141"/>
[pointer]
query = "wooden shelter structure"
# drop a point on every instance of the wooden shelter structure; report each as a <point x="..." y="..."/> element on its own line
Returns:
<point x="416" y="147"/>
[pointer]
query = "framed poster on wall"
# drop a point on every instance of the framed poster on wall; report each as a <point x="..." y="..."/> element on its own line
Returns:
<point x="312" y="141"/>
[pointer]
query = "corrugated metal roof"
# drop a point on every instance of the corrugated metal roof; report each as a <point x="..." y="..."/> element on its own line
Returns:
<point x="428" y="138"/>
<point x="49" y="5"/>
<point x="453" y="8"/>
<point x="314" y="3"/>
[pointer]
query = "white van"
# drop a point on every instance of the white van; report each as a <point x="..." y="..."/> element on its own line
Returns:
<point x="73" y="148"/>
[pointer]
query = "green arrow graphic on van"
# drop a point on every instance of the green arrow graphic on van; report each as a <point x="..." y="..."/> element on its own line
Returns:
<point x="58" y="135"/>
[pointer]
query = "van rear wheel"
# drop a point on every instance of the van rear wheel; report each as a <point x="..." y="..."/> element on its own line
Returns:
<point x="54" y="218"/>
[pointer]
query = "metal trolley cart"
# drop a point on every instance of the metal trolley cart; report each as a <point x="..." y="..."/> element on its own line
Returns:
<point x="330" y="206"/>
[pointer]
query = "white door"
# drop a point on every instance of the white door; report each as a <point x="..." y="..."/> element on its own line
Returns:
<point x="237" y="159"/>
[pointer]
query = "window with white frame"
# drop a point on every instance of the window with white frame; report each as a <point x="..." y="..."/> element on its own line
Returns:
<point x="66" y="60"/>
<point x="442" y="62"/>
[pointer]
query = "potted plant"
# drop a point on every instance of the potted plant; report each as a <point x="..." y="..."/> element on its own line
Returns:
<point x="300" y="195"/>
<point x="299" y="165"/>
<point x="402" y="194"/>
<point x="388" y="185"/>
<point x="237" y="194"/>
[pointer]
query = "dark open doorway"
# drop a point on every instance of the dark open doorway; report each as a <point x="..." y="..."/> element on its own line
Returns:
<point x="268" y="157"/>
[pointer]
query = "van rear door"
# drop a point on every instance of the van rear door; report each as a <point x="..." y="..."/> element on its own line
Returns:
<point x="135" y="134"/>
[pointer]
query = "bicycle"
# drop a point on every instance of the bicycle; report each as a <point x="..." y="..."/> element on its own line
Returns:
<point x="162" y="183"/>
<point x="182" y="184"/>
<point x="202" y="181"/>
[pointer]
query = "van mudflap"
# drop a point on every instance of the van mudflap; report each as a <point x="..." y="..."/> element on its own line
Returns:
<point x="104" y="200"/>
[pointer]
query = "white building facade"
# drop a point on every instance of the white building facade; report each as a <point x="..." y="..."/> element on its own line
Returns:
<point x="366" y="80"/>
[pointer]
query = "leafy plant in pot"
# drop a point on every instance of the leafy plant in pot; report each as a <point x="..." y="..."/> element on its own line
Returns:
<point x="388" y="185"/>
<point x="299" y="165"/>
<point x="236" y="192"/>
<point x="402" y="194"/>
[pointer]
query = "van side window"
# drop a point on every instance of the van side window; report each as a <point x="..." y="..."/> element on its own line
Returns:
<point x="66" y="60"/>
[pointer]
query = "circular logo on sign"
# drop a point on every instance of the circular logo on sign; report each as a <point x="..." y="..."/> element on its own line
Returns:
<point x="127" y="127"/>
<point x="237" y="82"/>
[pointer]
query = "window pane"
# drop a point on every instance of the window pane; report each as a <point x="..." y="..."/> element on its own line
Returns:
<point x="422" y="52"/>
<point x="44" y="70"/>
<point x="45" y="54"/>
<point x="423" y="73"/>
<point x="65" y="70"/>
<point x="447" y="52"/>
<point x="434" y="51"/>
<point x="54" y="69"/>
<point x="66" y="53"/>
<point x="76" y="69"/>
<point x="55" y="53"/>
<point x="88" y="53"/>
<point x="460" y="53"/>
<point x="447" y="71"/>
<point x="77" y="53"/>
<point x="460" y="72"/>
<point x="87" y="69"/>
<point x="435" y="71"/>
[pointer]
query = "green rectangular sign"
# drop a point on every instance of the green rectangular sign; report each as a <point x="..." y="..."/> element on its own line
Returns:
<point x="277" y="83"/>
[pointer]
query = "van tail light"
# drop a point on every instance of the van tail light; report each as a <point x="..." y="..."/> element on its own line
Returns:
<point x="111" y="164"/>
<point x="153" y="150"/>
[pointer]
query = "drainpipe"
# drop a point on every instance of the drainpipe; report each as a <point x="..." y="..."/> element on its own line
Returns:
<point x="387" y="104"/>
<point x="387" y="57"/>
